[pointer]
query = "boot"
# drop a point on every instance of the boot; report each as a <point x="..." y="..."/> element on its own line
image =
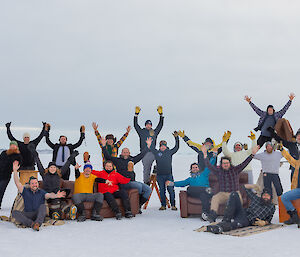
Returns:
<point x="35" y="226"/>
<point x="162" y="208"/>
<point x="143" y="200"/>
<point x="128" y="215"/>
<point x="212" y="216"/>
<point x="174" y="208"/>
<point x="294" y="219"/>
<point x="96" y="212"/>
<point x="119" y="216"/>
<point x="81" y="212"/>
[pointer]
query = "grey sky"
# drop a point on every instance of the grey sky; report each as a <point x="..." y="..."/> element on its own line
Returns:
<point x="73" y="62"/>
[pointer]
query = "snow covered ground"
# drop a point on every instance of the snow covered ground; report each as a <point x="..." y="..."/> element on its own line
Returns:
<point x="154" y="233"/>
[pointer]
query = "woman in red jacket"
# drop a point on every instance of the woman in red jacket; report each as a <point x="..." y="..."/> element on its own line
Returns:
<point x="111" y="190"/>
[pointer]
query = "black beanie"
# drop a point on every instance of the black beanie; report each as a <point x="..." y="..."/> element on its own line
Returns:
<point x="51" y="163"/>
<point x="270" y="106"/>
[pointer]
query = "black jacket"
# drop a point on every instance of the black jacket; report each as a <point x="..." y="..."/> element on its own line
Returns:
<point x="145" y="133"/>
<point x="6" y="164"/>
<point x="56" y="146"/>
<point x="164" y="159"/>
<point x="28" y="159"/>
<point x="122" y="164"/>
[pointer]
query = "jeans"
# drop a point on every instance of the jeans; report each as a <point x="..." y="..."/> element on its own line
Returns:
<point x="287" y="197"/>
<point x="161" y="180"/>
<point x="3" y="186"/>
<point x="143" y="189"/>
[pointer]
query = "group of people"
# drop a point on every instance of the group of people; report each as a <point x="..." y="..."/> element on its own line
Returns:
<point x="118" y="174"/>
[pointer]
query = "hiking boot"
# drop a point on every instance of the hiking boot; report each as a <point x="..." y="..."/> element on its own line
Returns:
<point x="128" y="215"/>
<point x="72" y="212"/>
<point x="174" y="208"/>
<point x="97" y="217"/>
<point x="204" y="216"/>
<point x="162" y="208"/>
<point x="216" y="229"/>
<point x="36" y="226"/>
<point x="294" y="219"/>
<point x="212" y="216"/>
<point x="119" y="216"/>
<point x="81" y="218"/>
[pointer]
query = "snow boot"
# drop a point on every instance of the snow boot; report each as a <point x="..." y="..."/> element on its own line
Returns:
<point x="212" y="216"/>
<point x="143" y="200"/>
<point x="118" y="216"/>
<point x="174" y="208"/>
<point x="204" y="216"/>
<point x="81" y="212"/>
<point x="96" y="212"/>
<point x="294" y="219"/>
<point x="162" y="208"/>
<point x="128" y="215"/>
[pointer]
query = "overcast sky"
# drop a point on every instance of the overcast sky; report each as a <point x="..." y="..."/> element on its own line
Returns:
<point x="74" y="62"/>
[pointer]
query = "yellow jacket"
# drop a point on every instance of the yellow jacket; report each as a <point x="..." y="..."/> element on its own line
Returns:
<point x="84" y="185"/>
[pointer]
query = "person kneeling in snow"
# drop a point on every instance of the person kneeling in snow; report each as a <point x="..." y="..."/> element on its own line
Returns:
<point x="111" y="190"/>
<point x="83" y="192"/>
<point x="198" y="184"/>
<point x="259" y="213"/>
<point x="34" y="201"/>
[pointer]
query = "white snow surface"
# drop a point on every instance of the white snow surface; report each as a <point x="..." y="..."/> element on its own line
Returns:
<point x="153" y="233"/>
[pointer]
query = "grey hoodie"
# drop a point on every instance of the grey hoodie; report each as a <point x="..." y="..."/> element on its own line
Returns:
<point x="270" y="162"/>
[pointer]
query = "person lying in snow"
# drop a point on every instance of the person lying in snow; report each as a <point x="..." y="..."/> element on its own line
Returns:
<point x="112" y="146"/>
<point x="209" y="144"/>
<point x="228" y="177"/>
<point x="52" y="175"/>
<point x="111" y="190"/>
<point x="122" y="164"/>
<point x="83" y="192"/>
<point x="259" y="213"/>
<point x="198" y="185"/>
<point x="268" y="118"/>
<point x="34" y="201"/>
<point x="163" y="158"/>
<point x="239" y="153"/>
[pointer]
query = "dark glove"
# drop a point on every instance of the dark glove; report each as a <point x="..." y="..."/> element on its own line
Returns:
<point x="8" y="124"/>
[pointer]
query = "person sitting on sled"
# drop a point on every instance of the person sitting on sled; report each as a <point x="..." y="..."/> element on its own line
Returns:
<point x="268" y="118"/>
<point x="259" y="213"/>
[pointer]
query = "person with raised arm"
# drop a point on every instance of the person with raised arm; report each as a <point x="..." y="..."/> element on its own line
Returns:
<point x="268" y="118"/>
<point x="34" y="201"/>
<point x="145" y="133"/>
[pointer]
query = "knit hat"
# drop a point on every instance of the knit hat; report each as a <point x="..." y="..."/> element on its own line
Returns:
<point x="208" y="140"/>
<point x="148" y="122"/>
<point x="51" y="164"/>
<point x="13" y="143"/>
<point x="163" y="142"/>
<point x="271" y="106"/>
<point x="110" y="136"/>
<point x="87" y="165"/>
<point x="237" y="143"/>
<point x="26" y="135"/>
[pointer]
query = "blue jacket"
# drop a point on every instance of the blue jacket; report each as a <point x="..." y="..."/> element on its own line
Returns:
<point x="202" y="180"/>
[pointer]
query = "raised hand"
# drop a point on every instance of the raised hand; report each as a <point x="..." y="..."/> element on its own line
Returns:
<point x="77" y="166"/>
<point x="137" y="110"/>
<point x="181" y="133"/>
<point x="82" y="129"/>
<point x="128" y="129"/>
<point x="8" y="124"/>
<point x="252" y="135"/>
<point x="291" y="96"/>
<point x="16" y="165"/>
<point x="226" y="136"/>
<point x="160" y="110"/>
<point x="248" y="99"/>
<point x="47" y="127"/>
<point x="95" y="126"/>
<point x="149" y="141"/>
<point x="175" y="133"/>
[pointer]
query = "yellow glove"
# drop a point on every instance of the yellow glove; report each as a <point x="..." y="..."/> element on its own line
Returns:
<point x="181" y="133"/>
<point x="252" y="135"/>
<point x="160" y="110"/>
<point x="226" y="136"/>
<point x="137" y="110"/>
<point x="260" y="222"/>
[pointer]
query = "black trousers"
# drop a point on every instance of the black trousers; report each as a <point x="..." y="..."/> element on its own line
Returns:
<point x="202" y="194"/>
<point x="262" y="140"/>
<point x="270" y="178"/>
<point x="110" y="199"/>
<point x="235" y="215"/>
<point x="3" y="186"/>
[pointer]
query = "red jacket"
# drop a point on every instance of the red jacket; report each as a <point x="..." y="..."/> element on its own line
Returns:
<point x="115" y="177"/>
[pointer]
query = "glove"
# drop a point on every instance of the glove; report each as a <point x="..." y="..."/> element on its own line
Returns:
<point x="260" y="222"/>
<point x="226" y="136"/>
<point x="245" y="147"/>
<point x="8" y="124"/>
<point x="160" y="110"/>
<point x="181" y="133"/>
<point x="82" y="129"/>
<point x="137" y="110"/>
<point x="175" y="134"/>
<point x="252" y="135"/>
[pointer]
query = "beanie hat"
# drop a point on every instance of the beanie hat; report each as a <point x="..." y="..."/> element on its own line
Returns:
<point x="13" y="143"/>
<point x="26" y="135"/>
<point x="148" y="122"/>
<point x="237" y="143"/>
<point x="208" y="140"/>
<point x="270" y="106"/>
<point x="87" y="165"/>
<point x="51" y="164"/>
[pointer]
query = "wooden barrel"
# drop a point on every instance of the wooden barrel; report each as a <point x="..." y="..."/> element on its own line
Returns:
<point x="26" y="174"/>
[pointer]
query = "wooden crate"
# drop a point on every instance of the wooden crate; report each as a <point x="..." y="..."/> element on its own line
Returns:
<point x="26" y="174"/>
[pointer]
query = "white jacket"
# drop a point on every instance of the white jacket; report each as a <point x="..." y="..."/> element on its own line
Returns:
<point x="238" y="157"/>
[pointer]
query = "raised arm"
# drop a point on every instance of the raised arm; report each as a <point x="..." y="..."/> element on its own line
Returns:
<point x="140" y="156"/>
<point x="135" y="120"/>
<point x="289" y="158"/>
<point x="254" y="143"/>
<point x="95" y="127"/>
<point x="211" y="167"/>
<point x="40" y="136"/>
<point x="253" y="106"/>
<point x="239" y="168"/>
<point x="35" y="154"/>
<point x="176" y="147"/>
<point x="82" y="136"/>
<point x="194" y="146"/>
<point x="66" y="166"/>
<point x="9" y="134"/>
<point x="16" y="166"/>
<point x="284" y="109"/>
<point x="122" y="139"/>
<point x="48" y="141"/>
<point x="250" y="193"/>
<point x="161" y="120"/>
